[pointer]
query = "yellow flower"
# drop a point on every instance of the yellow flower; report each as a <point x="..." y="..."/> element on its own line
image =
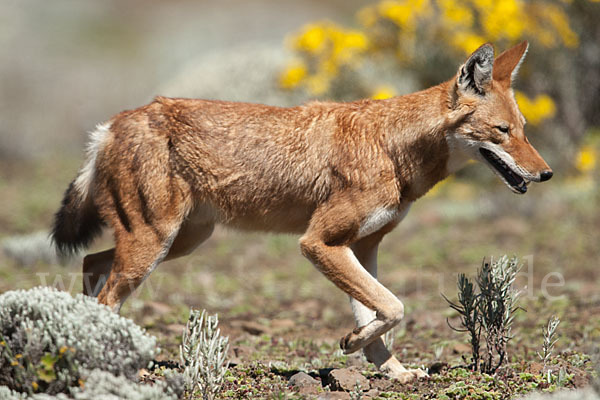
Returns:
<point x="383" y="92"/>
<point x="505" y="20"/>
<point x="312" y="39"/>
<point x="34" y="385"/>
<point x="538" y="110"/>
<point x="398" y="12"/>
<point x="586" y="159"/>
<point x="355" y="39"/>
<point x="293" y="75"/>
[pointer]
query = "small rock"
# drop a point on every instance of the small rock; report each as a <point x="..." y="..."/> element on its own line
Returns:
<point x="333" y="396"/>
<point x="346" y="378"/>
<point x="304" y="383"/>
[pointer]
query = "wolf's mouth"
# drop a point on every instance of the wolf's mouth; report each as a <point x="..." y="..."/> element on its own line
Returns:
<point x="510" y="177"/>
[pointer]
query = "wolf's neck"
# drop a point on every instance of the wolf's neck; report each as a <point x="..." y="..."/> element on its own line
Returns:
<point x="416" y="137"/>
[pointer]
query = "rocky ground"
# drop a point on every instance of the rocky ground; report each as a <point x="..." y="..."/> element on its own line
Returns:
<point x="283" y="318"/>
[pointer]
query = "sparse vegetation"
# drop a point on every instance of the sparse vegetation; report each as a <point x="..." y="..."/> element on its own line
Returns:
<point x="203" y="355"/>
<point x="49" y="341"/>
<point x="550" y="339"/>
<point x="489" y="310"/>
<point x="296" y="318"/>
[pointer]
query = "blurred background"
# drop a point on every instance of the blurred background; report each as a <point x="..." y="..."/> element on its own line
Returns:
<point x="67" y="65"/>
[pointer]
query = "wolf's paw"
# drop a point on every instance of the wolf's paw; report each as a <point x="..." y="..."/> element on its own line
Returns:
<point x="407" y="376"/>
<point x="352" y="342"/>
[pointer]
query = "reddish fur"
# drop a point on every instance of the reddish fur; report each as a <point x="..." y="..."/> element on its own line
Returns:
<point x="172" y="169"/>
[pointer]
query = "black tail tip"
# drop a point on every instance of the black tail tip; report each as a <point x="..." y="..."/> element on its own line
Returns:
<point x="76" y="224"/>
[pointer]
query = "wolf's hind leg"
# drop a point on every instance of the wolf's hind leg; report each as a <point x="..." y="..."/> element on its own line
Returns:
<point x="136" y="256"/>
<point x="96" y="268"/>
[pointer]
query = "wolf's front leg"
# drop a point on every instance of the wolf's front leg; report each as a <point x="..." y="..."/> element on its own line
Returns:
<point x="334" y="227"/>
<point x="365" y="251"/>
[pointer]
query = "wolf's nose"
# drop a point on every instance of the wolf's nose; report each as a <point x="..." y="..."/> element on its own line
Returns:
<point x="545" y="175"/>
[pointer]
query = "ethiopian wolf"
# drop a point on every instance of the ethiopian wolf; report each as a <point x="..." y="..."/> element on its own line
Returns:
<point x="340" y="174"/>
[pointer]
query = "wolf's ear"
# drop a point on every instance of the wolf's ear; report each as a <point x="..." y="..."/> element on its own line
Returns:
<point x="476" y="74"/>
<point x="507" y="64"/>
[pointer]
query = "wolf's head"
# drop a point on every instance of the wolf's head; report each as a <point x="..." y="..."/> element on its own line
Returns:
<point x="493" y="132"/>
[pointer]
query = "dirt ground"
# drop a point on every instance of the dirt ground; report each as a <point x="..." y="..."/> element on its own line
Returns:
<point x="283" y="317"/>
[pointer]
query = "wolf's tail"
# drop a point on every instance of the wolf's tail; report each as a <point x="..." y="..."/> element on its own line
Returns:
<point x="77" y="223"/>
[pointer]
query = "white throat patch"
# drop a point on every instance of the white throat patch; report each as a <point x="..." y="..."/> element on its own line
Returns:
<point x="460" y="151"/>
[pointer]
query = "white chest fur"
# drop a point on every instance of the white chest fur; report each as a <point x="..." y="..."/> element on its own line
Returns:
<point x="380" y="218"/>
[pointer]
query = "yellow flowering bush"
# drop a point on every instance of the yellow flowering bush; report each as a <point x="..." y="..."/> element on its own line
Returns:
<point x="398" y="46"/>
<point x="406" y="28"/>
<point x="325" y="48"/>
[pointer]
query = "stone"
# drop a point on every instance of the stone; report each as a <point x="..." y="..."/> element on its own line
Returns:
<point x="302" y="379"/>
<point x="346" y="378"/>
<point x="304" y="383"/>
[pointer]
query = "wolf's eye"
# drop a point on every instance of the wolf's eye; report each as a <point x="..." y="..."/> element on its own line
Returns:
<point x="502" y="128"/>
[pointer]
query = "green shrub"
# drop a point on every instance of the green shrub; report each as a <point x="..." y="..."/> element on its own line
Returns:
<point x="490" y="311"/>
<point x="50" y="340"/>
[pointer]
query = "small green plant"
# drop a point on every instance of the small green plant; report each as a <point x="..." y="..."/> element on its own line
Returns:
<point x="203" y="353"/>
<point x="490" y="311"/>
<point x="356" y="394"/>
<point x="550" y="340"/>
<point x="549" y="332"/>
